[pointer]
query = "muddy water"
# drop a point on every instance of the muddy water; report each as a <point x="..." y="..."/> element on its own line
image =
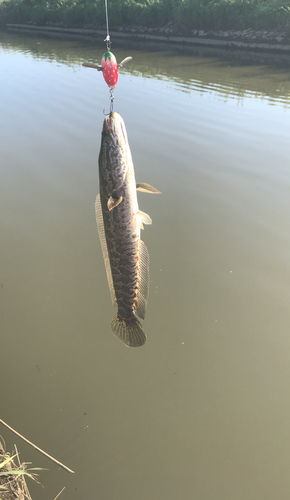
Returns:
<point x="202" y="411"/>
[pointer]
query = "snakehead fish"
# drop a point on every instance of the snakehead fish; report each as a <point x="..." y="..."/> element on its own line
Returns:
<point x="119" y="222"/>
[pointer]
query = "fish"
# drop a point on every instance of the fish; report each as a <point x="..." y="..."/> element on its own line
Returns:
<point x="119" y="222"/>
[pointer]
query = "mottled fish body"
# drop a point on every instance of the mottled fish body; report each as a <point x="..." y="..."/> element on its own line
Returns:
<point x="119" y="222"/>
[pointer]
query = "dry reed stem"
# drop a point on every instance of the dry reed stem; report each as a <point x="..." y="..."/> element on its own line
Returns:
<point x="59" y="493"/>
<point x="36" y="447"/>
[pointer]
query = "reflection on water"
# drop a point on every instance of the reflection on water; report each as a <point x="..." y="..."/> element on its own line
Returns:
<point x="225" y="73"/>
<point x="202" y="411"/>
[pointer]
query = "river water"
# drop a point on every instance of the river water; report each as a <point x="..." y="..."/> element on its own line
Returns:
<point x="202" y="411"/>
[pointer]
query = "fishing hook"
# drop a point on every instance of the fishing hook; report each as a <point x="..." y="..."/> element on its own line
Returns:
<point x="111" y="103"/>
<point x="107" y="39"/>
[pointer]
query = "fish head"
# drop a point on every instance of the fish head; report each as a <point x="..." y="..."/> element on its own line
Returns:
<point x="115" y="160"/>
<point x="114" y="131"/>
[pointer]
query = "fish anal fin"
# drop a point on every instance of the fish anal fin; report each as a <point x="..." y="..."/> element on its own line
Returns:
<point x="146" y="188"/>
<point x="101" y="230"/>
<point x="143" y="280"/>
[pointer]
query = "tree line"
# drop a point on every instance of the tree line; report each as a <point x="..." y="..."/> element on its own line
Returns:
<point x="191" y="14"/>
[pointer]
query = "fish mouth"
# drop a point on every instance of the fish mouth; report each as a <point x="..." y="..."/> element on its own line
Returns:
<point x="114" y="127"/>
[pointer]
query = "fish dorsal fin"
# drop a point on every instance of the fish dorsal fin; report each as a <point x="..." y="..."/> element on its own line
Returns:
<point x="101" y="230"/>
<point x="143" y="218"/>
<point x="143" y="280"/>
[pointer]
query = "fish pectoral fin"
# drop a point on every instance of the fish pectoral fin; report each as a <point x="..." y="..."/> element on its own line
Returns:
<point x="91" y="65"/>
<point x="143" y="218"/>
<point x="146" y="188"/>
<point x="112" y="203"/>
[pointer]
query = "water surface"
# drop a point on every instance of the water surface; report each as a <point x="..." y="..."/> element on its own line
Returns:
<point x="202" y="410"/>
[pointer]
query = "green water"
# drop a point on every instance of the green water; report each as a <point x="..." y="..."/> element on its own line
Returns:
<point x="202" y="410"/>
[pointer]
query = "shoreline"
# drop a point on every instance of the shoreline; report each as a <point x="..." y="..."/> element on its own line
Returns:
<point x="248" y="40"/>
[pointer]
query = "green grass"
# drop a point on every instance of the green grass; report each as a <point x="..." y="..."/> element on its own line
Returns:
<point x="192" y="14"/>
<point x="12" y="476"/>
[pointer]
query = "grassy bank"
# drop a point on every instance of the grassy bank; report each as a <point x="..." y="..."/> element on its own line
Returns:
<point x="191" y="14"/>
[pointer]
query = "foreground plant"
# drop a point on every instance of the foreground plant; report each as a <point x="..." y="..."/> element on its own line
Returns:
<point x="12" y="476"/>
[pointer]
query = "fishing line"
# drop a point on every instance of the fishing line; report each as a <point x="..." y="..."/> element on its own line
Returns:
<point x="107" y="39"/>
<point x="109" y="65"/>
<point x="109" y="43"/>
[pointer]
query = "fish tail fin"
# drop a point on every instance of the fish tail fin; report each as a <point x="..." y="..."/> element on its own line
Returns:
<point x="128" y="330"/>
